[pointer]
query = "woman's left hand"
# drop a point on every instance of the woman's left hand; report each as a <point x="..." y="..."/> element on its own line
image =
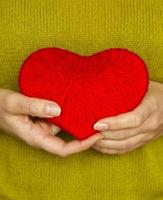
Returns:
<point x="125" y="132"/>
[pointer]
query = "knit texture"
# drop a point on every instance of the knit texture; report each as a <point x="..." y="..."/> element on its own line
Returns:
<point x="85" y="27"/>
<point x="87" y="88"/>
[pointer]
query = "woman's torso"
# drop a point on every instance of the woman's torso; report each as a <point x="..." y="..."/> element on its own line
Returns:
<point x="84" y="27"/>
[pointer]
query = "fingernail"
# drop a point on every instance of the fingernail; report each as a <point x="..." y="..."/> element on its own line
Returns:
<point x="100" y="126"/>
<point x="52" y="110"/>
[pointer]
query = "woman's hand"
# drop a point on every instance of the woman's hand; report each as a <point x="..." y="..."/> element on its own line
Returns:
<point x="125" y="132"/>
<point x="16" y="112"/>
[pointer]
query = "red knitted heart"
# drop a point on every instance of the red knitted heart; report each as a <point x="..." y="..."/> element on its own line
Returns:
<point x="87" y="88"/>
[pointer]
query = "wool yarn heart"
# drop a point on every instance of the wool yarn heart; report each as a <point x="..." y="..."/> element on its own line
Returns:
<point x="87" y="88"/>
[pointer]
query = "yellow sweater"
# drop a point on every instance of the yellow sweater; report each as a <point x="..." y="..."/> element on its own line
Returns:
<point x="85" y="27"/>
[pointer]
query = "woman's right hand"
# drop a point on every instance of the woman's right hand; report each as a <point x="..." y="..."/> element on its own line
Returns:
<point x="16" y="112"/>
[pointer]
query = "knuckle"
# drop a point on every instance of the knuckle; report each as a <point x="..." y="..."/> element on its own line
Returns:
<point x="29" y="106"/>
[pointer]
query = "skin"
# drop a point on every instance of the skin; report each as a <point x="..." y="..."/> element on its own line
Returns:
<point x="128" y="131"/>
<point x="17" y="113"/>
<point x="121" y="134"/>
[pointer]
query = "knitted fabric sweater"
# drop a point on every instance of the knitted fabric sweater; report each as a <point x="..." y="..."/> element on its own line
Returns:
<point x="85" y="27"/>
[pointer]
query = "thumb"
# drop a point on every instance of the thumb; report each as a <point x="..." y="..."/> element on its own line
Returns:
<point x="17" y="103"/>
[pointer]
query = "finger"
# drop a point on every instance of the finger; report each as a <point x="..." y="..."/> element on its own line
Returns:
<point x="121" y="134"/>
<point x="48" y="127"/>
<point x="56" y="145"/>
<point x="54" y="130"/>
<point x="127" y="120"/>
<point x="151" y="124"/>
<point x="124" y="144"/>
<point x="115" y="151"/>
<point x="17" y="103"/>
<point x="77" y="146"/>
<point x="37" y="135"/>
